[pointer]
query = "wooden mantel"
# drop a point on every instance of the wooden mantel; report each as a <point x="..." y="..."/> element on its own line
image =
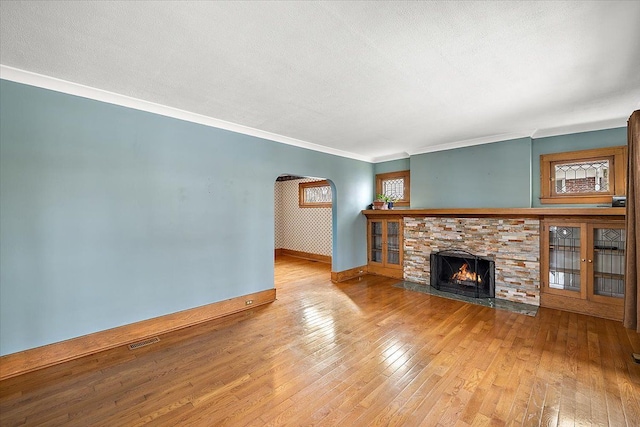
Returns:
<point x="499" y="212"/>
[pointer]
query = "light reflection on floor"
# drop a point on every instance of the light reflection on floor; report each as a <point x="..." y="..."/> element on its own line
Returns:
<point x="500" y="304"/>
<point x="319" y="321"/>
<point x="395" y="355"/>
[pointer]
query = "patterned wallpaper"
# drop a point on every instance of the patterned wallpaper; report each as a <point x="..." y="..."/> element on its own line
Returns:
<point x="300" y="229"/>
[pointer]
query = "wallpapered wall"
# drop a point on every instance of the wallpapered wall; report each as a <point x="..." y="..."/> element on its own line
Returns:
<point x="300" y="229"/>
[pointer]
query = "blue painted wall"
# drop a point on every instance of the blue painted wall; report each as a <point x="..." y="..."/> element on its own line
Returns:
<point x="392" y="166"/>
<point x="490" y="175"/>
<point x="573" y="142"/>
<point x="501" y="174"/>
<point x="110" y="215"/>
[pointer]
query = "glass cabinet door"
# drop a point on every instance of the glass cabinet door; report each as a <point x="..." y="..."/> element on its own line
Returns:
<point x="584" y="264"/>
<point x="393" y="242"/>
<point x="376" y="241"/>
<point x="564" y="258"/>
<point x="608" y="262"/>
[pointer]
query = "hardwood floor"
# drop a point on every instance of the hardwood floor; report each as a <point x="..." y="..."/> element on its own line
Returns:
<point x="359" y="353"/>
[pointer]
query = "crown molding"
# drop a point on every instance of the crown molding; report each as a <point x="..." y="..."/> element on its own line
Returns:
<point x="581" y="127"/>
<point x="471" y="142"/>
<point x="70" y="88"/>
<point x="535" y="133"/>
<point x="390" y="157"/>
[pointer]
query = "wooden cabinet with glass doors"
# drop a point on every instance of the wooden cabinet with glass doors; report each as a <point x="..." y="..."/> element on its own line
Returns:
<point x="385" y="249"/>
<point x="583" y="266"/>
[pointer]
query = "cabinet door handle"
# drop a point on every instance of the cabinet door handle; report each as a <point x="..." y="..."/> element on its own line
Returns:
<point x="590" y="261"/>
<point x="583" y="259"/>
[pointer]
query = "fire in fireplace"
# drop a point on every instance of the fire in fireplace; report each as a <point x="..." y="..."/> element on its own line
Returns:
<point x="463" y="276"/>
<point x="461" y="272"/>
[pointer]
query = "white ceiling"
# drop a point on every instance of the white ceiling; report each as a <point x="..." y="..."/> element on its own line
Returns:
<point x="365" y="79"/>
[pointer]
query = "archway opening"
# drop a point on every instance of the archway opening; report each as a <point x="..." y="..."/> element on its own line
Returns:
<point x="303" y="219"/>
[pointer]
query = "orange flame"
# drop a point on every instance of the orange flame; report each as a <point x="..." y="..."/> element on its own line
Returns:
<point x="464" y="275"/>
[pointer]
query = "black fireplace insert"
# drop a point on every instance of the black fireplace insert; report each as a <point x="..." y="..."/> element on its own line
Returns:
<point x="461" y="272"/>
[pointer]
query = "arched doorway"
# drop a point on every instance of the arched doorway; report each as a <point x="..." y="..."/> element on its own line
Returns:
<point x="303" y="216"/>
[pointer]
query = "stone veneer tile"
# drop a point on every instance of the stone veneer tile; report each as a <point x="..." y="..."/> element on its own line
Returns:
<point x="514" y="245"/>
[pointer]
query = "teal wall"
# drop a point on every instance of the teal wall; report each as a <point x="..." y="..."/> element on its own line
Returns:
<point x="501" y="174"/>
<point x="491" y="175"/>
<point x="110" y="215"/>
<point x="392" y="166"/>
<point x="573" y="142"/>
<point x="385" y="167"/>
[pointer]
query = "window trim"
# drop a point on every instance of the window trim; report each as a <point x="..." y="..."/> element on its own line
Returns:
<point x="617" y="175"/>
<point x="406" y="175"/>
<point x="301" y="200"/>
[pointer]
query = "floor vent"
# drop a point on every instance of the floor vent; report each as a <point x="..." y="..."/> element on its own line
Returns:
<point x="144" y="343"/>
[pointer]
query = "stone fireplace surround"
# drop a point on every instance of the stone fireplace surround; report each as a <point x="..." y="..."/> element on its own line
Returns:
<point x="513" y="243"/>
<point x="511" y="236"/>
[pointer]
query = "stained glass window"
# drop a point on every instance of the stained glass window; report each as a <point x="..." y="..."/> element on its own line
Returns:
<point x="586" y="176"/>
<point x="394" y="185"/>
<point x="315" y="194"/>
<point x="582" y="177"/>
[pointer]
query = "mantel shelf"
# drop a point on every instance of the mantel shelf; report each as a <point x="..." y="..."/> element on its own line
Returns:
<point x="499" y="212"/>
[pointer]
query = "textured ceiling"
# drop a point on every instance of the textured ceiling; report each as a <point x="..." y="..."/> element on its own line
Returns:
<point x="376" y="80"/>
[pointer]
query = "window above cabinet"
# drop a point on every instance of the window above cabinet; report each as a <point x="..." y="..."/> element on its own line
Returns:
<point x="587" y="176"/>
<point x="396" y="186"/>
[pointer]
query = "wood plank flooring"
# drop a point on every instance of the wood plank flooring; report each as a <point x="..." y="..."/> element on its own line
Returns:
<point x="359" y="353"/>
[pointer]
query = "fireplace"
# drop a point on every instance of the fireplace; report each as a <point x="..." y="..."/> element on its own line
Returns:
<point x="461" y="272"/>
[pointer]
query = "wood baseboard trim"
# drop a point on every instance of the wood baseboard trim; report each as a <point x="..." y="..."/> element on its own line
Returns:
<point x="341" y="276"/>
<point x="575" y="305"/>
<point x="394" y="273"/>
<point x="15" y="364"/>
<point x="304" y="255"/>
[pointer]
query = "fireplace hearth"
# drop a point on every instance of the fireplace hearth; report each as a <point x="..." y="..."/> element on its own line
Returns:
<point x="461" y="272"/>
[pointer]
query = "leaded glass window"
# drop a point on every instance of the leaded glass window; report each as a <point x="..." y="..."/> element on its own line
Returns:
<point x="582" y="177"/>
<point x="315" y="194"/>
<point x="394" y="185"/>
<point x="586" y="176"/>
<point x="393" y="188"/>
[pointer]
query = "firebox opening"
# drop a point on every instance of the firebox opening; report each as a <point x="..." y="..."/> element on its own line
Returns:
<point x="466" y="277"/>
<point x="461" y="272"/>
